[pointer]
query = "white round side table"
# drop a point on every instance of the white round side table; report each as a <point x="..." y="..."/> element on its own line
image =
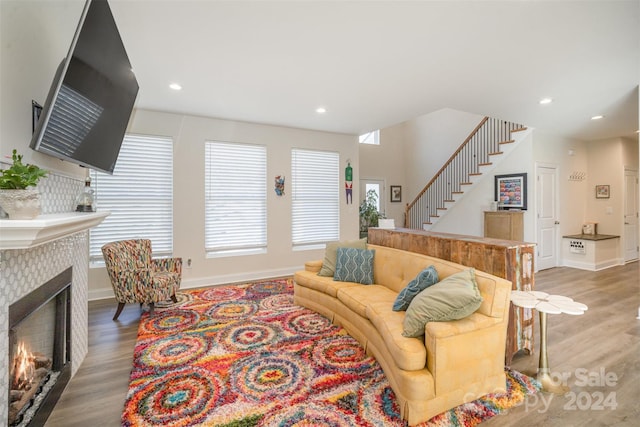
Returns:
<point x="547" y="304"/>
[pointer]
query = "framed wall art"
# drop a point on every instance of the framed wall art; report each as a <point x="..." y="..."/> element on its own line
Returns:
<point x="511" y="191"/>
<point x="396" y="193"/>
<point x="602" y="192"/>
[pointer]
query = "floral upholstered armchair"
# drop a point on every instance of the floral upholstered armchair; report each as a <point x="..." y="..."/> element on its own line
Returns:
<point x="136" y="277"/>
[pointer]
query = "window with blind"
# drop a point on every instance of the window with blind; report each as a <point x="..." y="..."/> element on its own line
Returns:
<point x="315" y="193"/>
<point x="139" y="196"/>
<point x="235" y="198"/>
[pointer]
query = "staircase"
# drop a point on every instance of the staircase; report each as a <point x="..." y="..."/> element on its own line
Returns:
<point x="491" y="140"/>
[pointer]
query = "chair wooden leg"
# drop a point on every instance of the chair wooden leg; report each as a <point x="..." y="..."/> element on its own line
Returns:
<point x="174" y="298"/>
<point x="151" y="307"/>
<point x="118" y="310"/>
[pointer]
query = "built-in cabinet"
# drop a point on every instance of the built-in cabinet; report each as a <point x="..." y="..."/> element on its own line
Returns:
<point x="504" y="225"/>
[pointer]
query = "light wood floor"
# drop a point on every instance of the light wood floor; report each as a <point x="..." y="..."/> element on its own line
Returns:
<point x="605" y="339"/>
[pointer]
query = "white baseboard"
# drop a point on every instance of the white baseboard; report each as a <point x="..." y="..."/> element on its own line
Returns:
<point x="593" y="267"/>
<point x="104" y="293"/>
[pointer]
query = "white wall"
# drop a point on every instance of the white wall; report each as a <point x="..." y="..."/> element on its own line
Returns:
<point x="607" y="160"/>
<point x="386" y="162"/>
<point x="429" y="142"/>
<point x="36" y="36"/>
<point x="189" y="134"/>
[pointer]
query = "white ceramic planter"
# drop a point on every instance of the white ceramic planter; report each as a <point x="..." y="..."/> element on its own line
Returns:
<point x="21" y="204"/>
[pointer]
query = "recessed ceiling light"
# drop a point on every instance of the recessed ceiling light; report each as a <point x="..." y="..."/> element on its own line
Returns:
<point x="321" y="110"/>
<point x="597" y="117"/>
<point x="544" y="101"/>
<point x="175" y="86"/>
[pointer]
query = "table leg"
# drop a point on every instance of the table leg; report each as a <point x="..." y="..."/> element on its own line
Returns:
<point x="544" y="376"/>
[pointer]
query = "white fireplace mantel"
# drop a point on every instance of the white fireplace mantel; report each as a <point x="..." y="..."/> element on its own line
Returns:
<point x="27" y="233"/>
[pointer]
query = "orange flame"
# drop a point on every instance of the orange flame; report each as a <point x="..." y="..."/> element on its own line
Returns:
<point x="23" y="368"/>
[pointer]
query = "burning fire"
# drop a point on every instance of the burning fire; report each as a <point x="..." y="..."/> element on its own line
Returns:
<point x="23" y="368"/>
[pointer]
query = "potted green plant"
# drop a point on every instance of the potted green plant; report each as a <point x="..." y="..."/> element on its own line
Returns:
<point x="369" y="214"/>
<point x="18" y="196"/>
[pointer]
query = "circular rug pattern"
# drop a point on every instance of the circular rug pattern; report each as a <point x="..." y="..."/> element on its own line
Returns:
<point x="182" y="298"/>
<point x="282" y="302"/>
<point x="245" y="336"/>
<point x="269" y="287"/>
<point x="179" y="398"/>
<point x="222" y="293"/>
<point x="174" y="351"/>
<point x="308" y="414"/>
<point x="344" y="354"/>
<point x="265" y="377"/>
<point x="169" y="321"/>
<point x="229" y="310"/>
<point x="380" y="404"/>
<point x="307" y="323"/>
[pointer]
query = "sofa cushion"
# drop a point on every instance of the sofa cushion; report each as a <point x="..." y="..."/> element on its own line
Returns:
<point x="331" y="253"/>
<point x="409" y="354"/>
<point x="453" y="298"/>
<point x="424" y="279"/>
<point x="354" y="265"/>
<point x="357" y="298"/>
<point x="325" y="285"/>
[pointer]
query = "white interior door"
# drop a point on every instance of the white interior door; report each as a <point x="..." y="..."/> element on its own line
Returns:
<point x="630" y="215"/>
<point x="547" y="216"/>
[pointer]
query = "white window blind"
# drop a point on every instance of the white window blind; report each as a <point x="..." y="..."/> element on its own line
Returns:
<point x="235" y="198"/>
<point x="315" y="193"/>
<point x="139" y="195"/>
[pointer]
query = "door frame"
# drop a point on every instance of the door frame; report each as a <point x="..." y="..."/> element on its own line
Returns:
<point x="557" y="244"/>
<point x="631" y="171"/>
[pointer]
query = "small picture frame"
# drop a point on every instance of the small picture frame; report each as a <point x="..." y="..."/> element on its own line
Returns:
<point x="396" y="193"/>
<point x="602" y="192"/>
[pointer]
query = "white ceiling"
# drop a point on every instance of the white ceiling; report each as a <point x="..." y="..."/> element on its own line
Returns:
<point x="374" y="64"/>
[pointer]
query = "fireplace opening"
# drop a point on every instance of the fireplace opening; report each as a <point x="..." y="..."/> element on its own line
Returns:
<point x="39" y="351"/>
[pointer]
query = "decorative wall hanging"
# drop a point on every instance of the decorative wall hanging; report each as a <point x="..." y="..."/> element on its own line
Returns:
<point x="348" y="183"/>
<point x="279" y="185"/>
<point x="602" y="191"/>
<point x="396" y="193"/>
<point x="511" y="191"/>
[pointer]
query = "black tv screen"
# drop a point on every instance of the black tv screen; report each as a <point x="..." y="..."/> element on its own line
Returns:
<point x="92" y="95"/>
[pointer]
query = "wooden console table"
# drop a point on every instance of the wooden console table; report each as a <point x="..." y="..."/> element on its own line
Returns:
<point x="508" y="259"/>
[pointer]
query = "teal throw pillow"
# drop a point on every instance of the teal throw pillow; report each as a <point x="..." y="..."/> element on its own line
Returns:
<point x="424" y="279"/>
<point x="453" y="298"/>
<point x="354" y="265"/>
<point x="331" y="253"/>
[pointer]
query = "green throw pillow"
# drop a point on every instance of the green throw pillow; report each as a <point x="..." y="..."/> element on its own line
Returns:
<point x="330" y="255"/>
<point x="424" y="279"/>
<point x="453" y="298"/>
<point x="355" y="265"/>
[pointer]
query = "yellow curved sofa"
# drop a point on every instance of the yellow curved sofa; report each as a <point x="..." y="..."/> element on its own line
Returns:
<point x="453" y="363"/>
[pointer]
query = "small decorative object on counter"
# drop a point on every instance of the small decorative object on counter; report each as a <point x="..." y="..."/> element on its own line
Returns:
<point x="85" y="200"/>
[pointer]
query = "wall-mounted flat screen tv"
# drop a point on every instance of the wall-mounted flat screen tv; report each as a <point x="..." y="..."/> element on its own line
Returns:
<point x="92" y="95"/>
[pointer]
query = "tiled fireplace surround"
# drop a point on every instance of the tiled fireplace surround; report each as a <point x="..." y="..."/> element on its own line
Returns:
<point x="23" y="270"/>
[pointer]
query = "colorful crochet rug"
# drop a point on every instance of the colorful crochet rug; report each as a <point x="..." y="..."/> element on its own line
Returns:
<point x="245" y="355"/>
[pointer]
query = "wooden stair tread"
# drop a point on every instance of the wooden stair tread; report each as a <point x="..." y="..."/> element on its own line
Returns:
<point x="507" y="142"/>
<point x="466" y="183"/>
<point x="519" y="129"/>
<point x="485" y="164"/>
<point x="496" y="153"/>
<point x="475" y="174"/>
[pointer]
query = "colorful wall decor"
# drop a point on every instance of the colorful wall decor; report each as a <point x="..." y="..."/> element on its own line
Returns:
<point x="348" y="183"/>
<point x="279" y="188"/>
